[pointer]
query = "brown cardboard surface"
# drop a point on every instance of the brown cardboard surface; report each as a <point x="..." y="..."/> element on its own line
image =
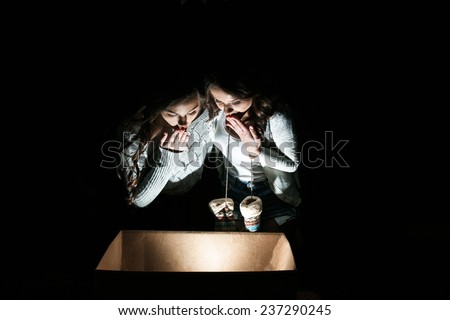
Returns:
<point x="146" y="264"/>
<point x="179" y="251"/>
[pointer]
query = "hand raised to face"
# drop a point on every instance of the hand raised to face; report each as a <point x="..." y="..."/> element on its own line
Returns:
<point x="248" y="136"/>
<point x="176" y="141"/>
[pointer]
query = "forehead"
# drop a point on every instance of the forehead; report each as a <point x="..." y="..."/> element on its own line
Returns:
<point x="221" y="95"/>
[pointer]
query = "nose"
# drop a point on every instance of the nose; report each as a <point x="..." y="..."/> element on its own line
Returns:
<point x="228" y="109"/>
<point x="182" y="121"/>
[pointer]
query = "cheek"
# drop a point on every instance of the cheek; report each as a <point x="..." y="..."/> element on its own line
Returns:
<point x="246" y="106"/>
<point x="170" y="120"/>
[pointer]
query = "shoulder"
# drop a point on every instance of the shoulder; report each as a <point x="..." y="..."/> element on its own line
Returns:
<point x="200" y="123"/>
<point x="215" y="119"/>
<point x="283" y="114"/>
<point x="129" y="134"/>
<point x="128" y="130"/>
<point x="204" y="116"/>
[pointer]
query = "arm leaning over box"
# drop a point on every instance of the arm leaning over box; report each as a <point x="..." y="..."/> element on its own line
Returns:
<point x="163" y="170"/>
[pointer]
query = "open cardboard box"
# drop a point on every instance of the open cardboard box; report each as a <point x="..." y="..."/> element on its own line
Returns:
<point x="185" y="265"/>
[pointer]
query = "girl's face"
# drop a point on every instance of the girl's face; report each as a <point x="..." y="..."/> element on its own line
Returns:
<point x="229" y="104"/>
<point x="180" y="116"/>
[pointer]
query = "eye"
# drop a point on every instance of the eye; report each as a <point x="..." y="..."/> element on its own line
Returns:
<point x="236" y="103"/>
<point x="218" y="102"/>
<point x="193" y="111"/>
<point x="170" y="114"/>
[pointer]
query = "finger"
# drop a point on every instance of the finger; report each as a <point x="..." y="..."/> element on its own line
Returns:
<point x="236" y="125"/>
<point x="182" y="134"/>
<point x="185" y="136"/>
<point x="163" y="139"/>
<point x="254" y="134"/>
<point x="231" y="126"/>
<point x="174" y="136"/>
<point x="230" y="123"/>
<point x="239" y="125"/>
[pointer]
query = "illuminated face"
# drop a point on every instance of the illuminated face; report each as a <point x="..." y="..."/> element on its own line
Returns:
<point x="229" y="104"/>
<point x="180" y="116"/>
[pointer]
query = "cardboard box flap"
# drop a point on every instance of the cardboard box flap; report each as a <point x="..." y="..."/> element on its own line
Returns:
<point x="112" y="258"/>
<point x="191" y="251"/>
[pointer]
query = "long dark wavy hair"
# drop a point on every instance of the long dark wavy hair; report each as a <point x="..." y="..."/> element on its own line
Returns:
<point x="243" y="84"/>
<point x="145" y="127"/>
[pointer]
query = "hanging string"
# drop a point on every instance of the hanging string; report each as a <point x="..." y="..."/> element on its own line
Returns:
<point x="226" y="165"/>
<point x="226" y="171"/>
<point x="251" y="178"/>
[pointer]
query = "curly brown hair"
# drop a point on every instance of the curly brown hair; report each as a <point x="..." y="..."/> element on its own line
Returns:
<point x="242" y="84"/>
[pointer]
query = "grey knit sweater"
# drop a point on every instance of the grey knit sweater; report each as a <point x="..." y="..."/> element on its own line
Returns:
<point x="165" y="171"/>
<point x="279" y="157"/>
<point x="173" y="173"/>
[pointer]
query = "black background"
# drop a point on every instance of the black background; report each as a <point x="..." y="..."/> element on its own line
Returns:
<point x="76" y="74"/>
